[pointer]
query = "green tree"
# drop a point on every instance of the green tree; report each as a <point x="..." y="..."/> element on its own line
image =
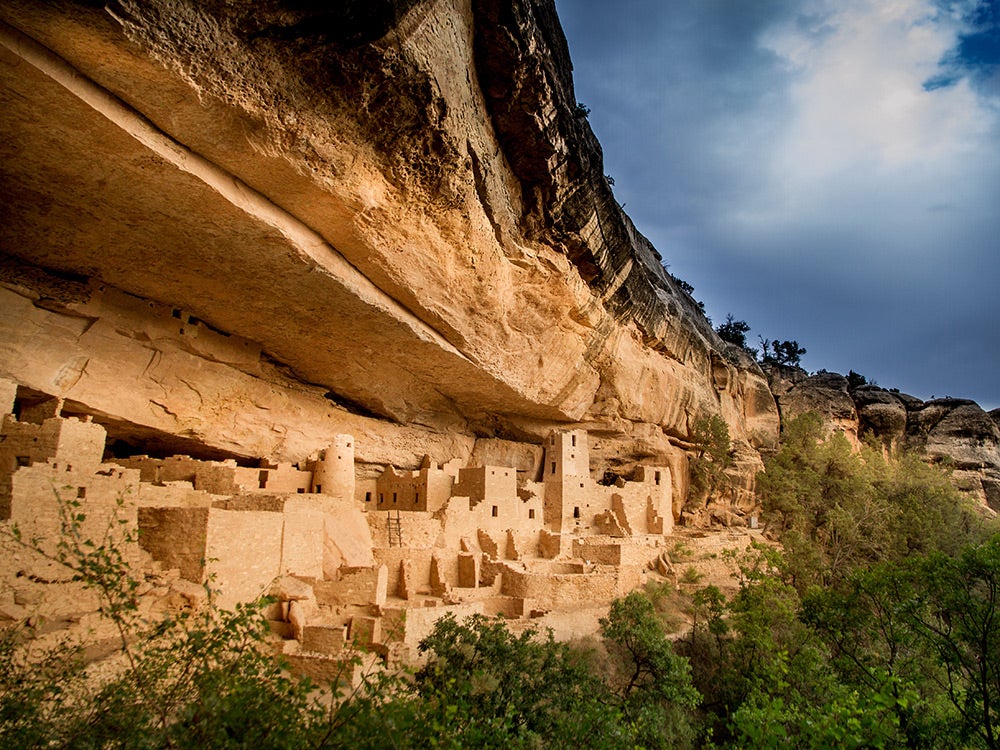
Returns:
<point x="875" y="650"/>
<point x="734" y="331"/>
<point x="651" y="682"/>
<point x="710" y="438"/>
<point x="484" y="686"/>
<point x="958" y="616"/>
<point x="855" y="380"/>
<point x="782" y="352"/>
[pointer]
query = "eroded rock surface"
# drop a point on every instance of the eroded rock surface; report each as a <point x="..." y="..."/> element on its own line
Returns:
<point x="955" y="432"/>
<point x="399" y="211"/>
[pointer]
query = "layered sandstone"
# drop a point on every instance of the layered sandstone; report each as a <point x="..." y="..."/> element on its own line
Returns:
<point x="247" y="226"/>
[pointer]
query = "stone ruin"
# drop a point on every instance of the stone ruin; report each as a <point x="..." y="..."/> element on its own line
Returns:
<point x="374" y="562"/>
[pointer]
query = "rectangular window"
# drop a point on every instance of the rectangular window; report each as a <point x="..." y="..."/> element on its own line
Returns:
<point x="496" y="511"/>
<point x="24" y="460"/>
<point x="656" y="477"/>
<point x="368" y="497"/>
<point x="262" y="480"/>
<point x="576" y="512"/>
<point x="394" y="497"/>
<point x="553" y="467"/>
<point x="531" y="512"/>
<point x="319" y="489"/>
<point x="81" y="492"/>
<point x="573" y="440"/>
<point x="416" y="498"/>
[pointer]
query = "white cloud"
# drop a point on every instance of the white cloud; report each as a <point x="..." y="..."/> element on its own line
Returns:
<point x="863" y="124"/>
<point x="788" y="159"/>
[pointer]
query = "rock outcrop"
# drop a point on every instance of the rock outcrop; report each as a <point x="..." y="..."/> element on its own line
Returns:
<point x="955" y="432"/>
<point x="245" y="226"/>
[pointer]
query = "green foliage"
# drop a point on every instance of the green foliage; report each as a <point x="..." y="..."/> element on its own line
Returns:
<point x="710" y="436"/>
<point x="734" y="331"/>
<point x="958" y="617"/>
<point x="691" y="575"/>
<point x="651" y="682"/>
<point x="686" y="287"/>
<point x="484" y="686"/>
<point x="855" y="380"/>
<point x="834" y="508"/>
<point x="776" y="352"/>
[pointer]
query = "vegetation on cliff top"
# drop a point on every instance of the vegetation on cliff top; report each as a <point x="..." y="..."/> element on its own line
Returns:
<point x="875" y="623"/>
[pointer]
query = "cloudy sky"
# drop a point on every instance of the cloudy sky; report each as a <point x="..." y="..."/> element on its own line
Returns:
<point x="827" y="170"/>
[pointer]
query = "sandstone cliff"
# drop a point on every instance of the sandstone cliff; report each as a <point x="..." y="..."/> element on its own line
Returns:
<point x="241" y="227"/>
<point x="956" y="432"/>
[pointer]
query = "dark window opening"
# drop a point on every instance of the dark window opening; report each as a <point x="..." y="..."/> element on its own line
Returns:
<point x="573" y="440"/>
<point x="394" y="497"/>
<point x="553" y="467"/>
<point x="656" y="477"/>
<point x="81" y="492"/>
<point x="319" y="489"/>
<point x="176" y="313"/>
<point x="416" y="498"/>
<point x="301" y="490"/>
<point x="24" y="460"/>
<point x="576" y="512"/>
<point x="531" y="512"/>
<point x="262" y="480"/>
<point x="496" y="511"/>
<point x="368" y="497"/>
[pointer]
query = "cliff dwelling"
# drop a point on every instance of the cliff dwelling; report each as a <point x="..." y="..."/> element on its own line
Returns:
<point x="354" y="319"/>
<point x="371" y="561"/>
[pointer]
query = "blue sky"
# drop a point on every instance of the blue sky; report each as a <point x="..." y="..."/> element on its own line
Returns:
<point x="827" y="170"/>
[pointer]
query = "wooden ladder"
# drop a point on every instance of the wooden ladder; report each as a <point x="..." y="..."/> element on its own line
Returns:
<point x="395" y="529"/>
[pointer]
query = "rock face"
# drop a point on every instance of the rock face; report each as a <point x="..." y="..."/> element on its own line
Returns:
<point x="234" y="229"/>
<point x="247" y="226"/>
<point x="960" y="433"/>
<point x="956" y="432"/>
<point x="824" y="393"/>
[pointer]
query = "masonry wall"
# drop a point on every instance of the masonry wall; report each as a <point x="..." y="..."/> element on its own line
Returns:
<point x="43" y="493"/>
<point x="303" y="537"/>
<point x="176" y="537"/>
<point x="568" y="590"/>
<point x="243" y="549"/>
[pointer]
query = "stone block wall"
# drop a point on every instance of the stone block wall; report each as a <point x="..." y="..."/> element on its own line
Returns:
<point x="243" y="550"/>
<point x="176" y="537"/>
